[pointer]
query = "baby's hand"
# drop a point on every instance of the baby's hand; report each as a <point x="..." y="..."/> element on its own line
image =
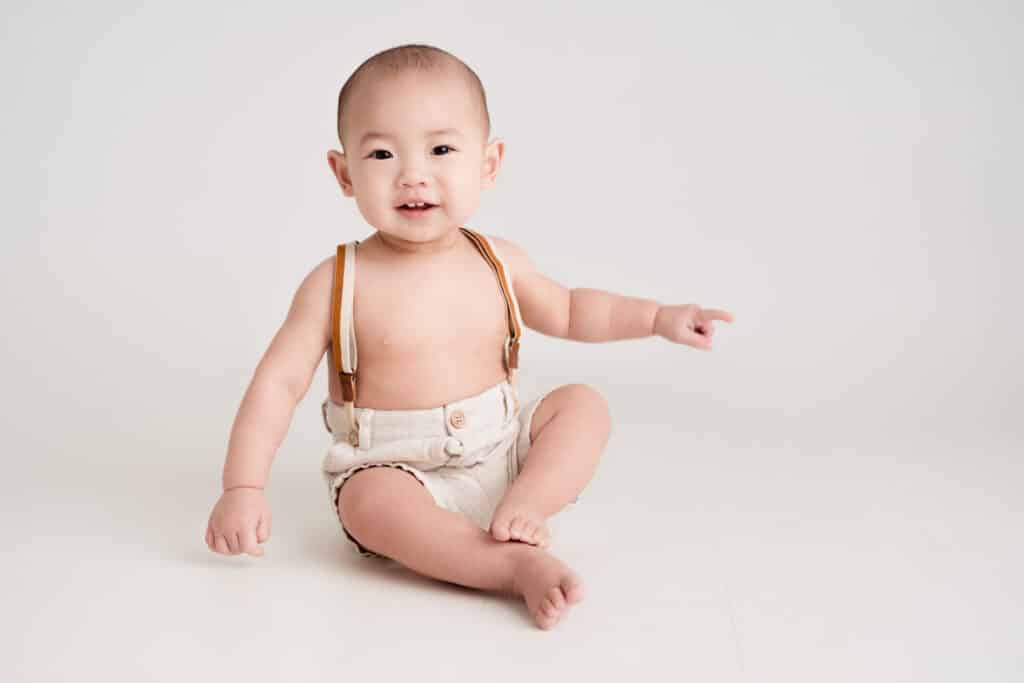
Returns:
<point x="688" y="324"/>
<point x="240" y="520"/>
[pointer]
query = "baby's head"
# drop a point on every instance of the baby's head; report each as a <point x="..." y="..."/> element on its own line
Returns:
<point x="413" y="125"/>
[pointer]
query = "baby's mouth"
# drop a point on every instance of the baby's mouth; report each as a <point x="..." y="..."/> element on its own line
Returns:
<point x="418" y="208"/>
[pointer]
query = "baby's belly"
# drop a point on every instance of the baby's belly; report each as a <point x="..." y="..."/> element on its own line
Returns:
<point x="426" y="383"/>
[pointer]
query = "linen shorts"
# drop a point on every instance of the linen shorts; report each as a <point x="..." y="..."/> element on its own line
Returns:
<point x="465" y="453"/>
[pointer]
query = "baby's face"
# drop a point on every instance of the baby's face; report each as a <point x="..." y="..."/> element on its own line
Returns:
<point x="416" y="136"/>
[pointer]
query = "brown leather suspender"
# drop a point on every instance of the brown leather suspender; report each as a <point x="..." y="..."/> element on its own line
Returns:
<point x="348" y="380"/>
<point x="515" y="330"/>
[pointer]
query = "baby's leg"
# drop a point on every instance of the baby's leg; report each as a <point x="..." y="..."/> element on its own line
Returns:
<point x="569" y="430"/>
<point x="389" y="512"/>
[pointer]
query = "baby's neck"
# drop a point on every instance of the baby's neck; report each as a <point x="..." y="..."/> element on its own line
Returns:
<point x="399" y="247"/>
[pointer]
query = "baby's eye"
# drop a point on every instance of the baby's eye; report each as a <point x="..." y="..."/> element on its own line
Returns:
<point x="375" y="152"/>
<point x="445" y="147"/>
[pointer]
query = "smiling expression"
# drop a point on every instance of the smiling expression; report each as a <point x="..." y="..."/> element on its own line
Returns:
<point x="415" y="137"/>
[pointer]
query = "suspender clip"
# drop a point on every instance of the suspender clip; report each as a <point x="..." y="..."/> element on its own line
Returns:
<point x="513" y="355"/>
<point x="348" y="386"/>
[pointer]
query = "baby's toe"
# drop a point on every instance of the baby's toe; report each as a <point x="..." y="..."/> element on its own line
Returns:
<point x="572" y="587"/>
<point x="529" y="532"/>
<point x="547" y="615"/>
<point x="516" y="527"/>
<point x="500" y="530"/>
<point x="556" y="598"/>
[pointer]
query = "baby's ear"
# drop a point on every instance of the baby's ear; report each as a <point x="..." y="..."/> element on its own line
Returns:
<point x="493" y="154"/>
<point x="339" y="167"/>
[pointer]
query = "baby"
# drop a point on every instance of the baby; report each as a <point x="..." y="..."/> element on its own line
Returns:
<point x="434" y="462"/>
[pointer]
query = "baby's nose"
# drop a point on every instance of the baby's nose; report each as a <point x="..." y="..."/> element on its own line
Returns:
<point x="411" y="179"/>
<point x="411" y="174"/>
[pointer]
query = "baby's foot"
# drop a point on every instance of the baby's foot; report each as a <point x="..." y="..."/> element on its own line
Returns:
<point x="519" y="525"/>
<point x="547" y="586"/>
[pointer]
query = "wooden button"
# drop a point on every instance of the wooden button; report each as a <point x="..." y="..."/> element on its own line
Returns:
<point x="353" y="438"/>
<point x="457" y="419"/>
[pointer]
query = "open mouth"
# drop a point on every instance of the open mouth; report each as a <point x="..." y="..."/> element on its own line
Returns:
<point x="416" y="208"/>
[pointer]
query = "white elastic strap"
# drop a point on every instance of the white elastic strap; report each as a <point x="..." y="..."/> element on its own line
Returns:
<point x="349" y="354"/>
<point x="347" y="333"/>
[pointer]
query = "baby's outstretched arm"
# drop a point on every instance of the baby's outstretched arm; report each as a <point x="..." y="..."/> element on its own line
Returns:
<point x="241" y="518"/>
<point x="593" y="315"/>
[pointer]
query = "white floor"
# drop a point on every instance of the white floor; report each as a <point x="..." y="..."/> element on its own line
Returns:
<point x="766" y="552"/>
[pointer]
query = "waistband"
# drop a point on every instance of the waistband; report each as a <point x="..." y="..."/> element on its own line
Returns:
<point x="487" y="411"/>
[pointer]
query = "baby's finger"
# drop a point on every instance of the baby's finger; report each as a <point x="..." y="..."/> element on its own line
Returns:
<point x="220" y="544"/>
<point x="263" y="529"/>
<point x="695" y="340"/>
<point x="209" y="538"/>
<point x="716" y="314"/>
<point x="249" y="545"/>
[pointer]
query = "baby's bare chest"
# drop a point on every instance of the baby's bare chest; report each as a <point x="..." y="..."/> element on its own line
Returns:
<point x="410" y="317"/>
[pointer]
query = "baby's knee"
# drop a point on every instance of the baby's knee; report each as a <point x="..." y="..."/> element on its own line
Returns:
<point x="368" y="491"/>
<point x="589" y="399"/>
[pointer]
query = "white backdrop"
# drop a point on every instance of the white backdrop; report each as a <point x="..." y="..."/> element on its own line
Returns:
<point x="844" y="177"/>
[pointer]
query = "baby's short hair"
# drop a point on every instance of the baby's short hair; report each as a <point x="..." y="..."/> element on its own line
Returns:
<point x="396" y="60"/>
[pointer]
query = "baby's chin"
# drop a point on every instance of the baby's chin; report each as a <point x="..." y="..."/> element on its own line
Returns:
<point x="439" y="236"/>
<point x="418" y="234"/>
<point x="420" y="228"/>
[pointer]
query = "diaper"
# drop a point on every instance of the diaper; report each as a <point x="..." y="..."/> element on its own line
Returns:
<point x="465" y="453"/>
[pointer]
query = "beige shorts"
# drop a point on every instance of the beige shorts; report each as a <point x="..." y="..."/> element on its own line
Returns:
<point x="465" y="453"/>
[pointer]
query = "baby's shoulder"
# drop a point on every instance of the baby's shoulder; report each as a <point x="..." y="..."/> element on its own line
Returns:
<point x="324" y="270"/>
<point x="318" y="281"/>
<point x="321" y="278"/>
<point x="514" y="256"/>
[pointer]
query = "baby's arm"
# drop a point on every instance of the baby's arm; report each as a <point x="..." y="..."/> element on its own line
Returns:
<point x="241" y="518"/>
<point x="593" y="315"/>
<point x="279" y="382"/>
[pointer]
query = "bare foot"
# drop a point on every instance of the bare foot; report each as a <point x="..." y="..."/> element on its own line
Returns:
<point x="547" y="586"/>
<point x="509" y="524"/>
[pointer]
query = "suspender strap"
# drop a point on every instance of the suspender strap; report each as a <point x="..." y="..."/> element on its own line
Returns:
<point x="343" y="335"/>
<point x="515" y="320"/>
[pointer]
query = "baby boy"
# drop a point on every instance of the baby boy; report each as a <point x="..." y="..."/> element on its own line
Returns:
<point x="435" y="462"/>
